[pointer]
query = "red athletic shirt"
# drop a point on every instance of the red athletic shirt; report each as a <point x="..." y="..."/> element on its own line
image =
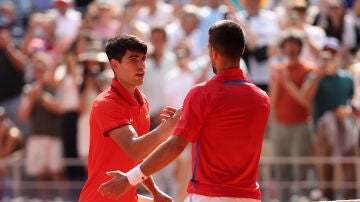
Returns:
<point x="111" y="109"/>
<point x="228" y="119"/>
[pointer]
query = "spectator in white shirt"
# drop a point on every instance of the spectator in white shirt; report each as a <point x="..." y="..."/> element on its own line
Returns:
<point x="67" y="19"/>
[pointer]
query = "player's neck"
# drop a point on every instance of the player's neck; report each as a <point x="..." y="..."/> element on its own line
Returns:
<point x="129" y="88"/>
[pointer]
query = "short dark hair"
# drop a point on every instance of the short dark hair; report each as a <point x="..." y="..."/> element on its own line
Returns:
<point x="116" y="46"/>
<point x="159" y="29"/>
<point x="227" y="37"/>
<point x="294" y="35"/>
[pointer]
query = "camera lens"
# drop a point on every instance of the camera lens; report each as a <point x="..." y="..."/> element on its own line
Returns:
<point x="4" y="21"/>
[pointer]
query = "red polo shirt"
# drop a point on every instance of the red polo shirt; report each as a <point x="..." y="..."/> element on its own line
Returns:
<point x="228" y="120"/>
<point x="112" y="109"/>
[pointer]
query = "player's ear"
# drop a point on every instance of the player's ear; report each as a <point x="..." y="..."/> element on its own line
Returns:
<point x="212" y="51"/>
<point x="114" y="63"/>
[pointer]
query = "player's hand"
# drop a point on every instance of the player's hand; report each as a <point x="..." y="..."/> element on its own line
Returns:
<point x="115" y="187"/>
<point x="169" y="112"/>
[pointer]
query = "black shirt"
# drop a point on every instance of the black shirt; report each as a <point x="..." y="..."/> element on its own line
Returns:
<point x="11" y="79"/>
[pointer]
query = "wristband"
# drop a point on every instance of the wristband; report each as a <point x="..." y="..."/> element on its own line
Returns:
<point x="135" y="175"/>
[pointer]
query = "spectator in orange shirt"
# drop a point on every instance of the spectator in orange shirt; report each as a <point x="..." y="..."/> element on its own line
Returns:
<point x="290" y="131"/>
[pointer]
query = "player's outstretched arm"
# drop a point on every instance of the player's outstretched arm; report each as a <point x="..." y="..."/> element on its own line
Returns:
<point x="161" y="157"/>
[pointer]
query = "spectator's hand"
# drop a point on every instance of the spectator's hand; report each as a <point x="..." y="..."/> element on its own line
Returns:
<point x="293" y="21"/>
<point x="282" y="75"/>
<point x="36" y="90"/>
<point x="36" y="24"/>
<point x="342" y="112"/>
<point x="162" y="197"/>
<point x="4" y="38"/>
<point x="60" y="48"/>
<point x="115" y="187"/>
<point x="320" y="71"/>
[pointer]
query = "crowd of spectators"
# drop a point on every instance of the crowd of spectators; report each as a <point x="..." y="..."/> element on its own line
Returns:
<point x="304" y="53"/>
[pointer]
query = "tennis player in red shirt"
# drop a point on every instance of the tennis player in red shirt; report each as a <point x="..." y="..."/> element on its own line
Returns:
<point x="120" y="122"/>
<point x="224" y="119"/>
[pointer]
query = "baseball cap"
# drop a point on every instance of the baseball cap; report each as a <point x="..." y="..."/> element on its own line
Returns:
<point x="62" y="2"/>
<point x="36" y="45"/>
<point x="4" y="21"/>
<point x="104" y="4"/>
<point x="94" y="53"/>
<point x="332" y="43"/>
<point x="297" y="3"/>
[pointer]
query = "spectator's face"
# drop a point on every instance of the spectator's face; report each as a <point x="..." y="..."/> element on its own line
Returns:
<point x="356" y="8"/>
<point x="46" y="28"/>
<point x="298" y="14"/>
<point x="40" y="71"/>
<point x="331" y="51"/>
<point x="332" y="62"/>
<point x="182" y="53"/>
<point x="189" y="23"/>
<point x="93" y="66"/>
<point x="291" y="49"/>
<point x="214" y="3"/>
<point x="150" y="3"/>
<point x="252" y="5"/>
<point x="62" y="6"/>
<point x="158" y="40"/>
<point x="105" y="11"/>
<point x="336" y="11"/>
<point x="7" y="15"/>
<point x="81" y="46"/>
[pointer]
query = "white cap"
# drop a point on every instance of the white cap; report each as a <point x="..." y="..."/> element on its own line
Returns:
<point x="64" y="1"/>
<point x="332" y="43"/>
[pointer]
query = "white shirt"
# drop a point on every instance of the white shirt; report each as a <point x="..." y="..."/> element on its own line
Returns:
<point x="317" y="38"/>
<point x="178" y="83"/>
<point x="162" y="16"/>
<point x="67" y="25"/>
<point x="265" y="27"/>
<point x="68" y="90"/>
<point x="349" y="36"/>
<point x="176" y="34"/>
<point x="209" y="16"/>
<point x="154" y="81"/>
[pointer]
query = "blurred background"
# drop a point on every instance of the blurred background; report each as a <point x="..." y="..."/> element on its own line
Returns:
<point x="304" y="53"/>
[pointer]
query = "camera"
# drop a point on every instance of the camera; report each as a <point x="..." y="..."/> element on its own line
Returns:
<point x="4" y="21"/>
<point x="294" y="15"/>
<point x="326" y="55"/>
<point x="94" y="71"/>
<point x="131" y="3"/>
